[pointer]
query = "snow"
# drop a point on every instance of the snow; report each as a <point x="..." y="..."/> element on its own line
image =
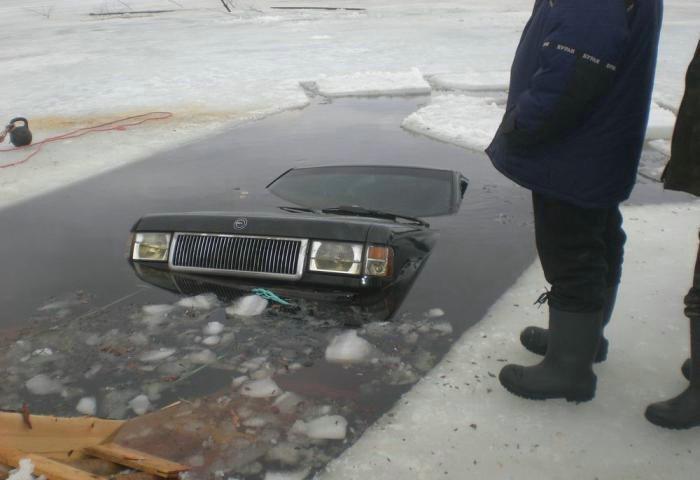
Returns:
<point x="156" y="355"/>
<point x="467" y="121"/>
<point x="87" y="406"/>
<point x="410" y="82"/>
<point x="328" y="427"/>
<point x="478" y="430"/>
<point x="140" y="404"/>
<point x="661" y="123"/>
<point x="24" y="472"/>
<point x="213" y="328"/>
<point x="661" y="146"/>
<point x="262" y="388"/>
<point x="206" y="301"/>
<point x="42" y="384"/>
<point x="248" y="306"/>
<point x="348" y="348"/>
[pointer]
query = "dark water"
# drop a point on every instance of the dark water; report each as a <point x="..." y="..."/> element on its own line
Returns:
<point x="67" y="285"/>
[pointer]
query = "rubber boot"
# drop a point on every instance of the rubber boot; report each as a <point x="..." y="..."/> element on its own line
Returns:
<point x="566" y="371"/>
<point x="535" y="338"/>
<point x="682" y="411"/>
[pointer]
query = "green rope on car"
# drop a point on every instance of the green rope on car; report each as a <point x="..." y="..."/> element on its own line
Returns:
<point x="269" y="295"/>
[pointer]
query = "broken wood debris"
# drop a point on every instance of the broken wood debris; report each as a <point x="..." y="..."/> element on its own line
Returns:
<point x="137" y="460"/>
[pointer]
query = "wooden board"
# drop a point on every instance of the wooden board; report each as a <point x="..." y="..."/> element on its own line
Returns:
<point x="55" y="437"/>
<point x="52" y="469"/>
<point x="137" y="460"/>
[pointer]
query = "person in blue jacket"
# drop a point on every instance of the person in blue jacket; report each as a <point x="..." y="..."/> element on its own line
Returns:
<point x="573" y="131"/>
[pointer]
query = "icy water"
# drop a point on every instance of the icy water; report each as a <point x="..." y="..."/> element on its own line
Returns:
<point x="78" y="323"/>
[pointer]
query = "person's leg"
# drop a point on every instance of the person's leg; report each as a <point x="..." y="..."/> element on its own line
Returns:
<point x="683" y="411"/>
<point x="571" y="246"/>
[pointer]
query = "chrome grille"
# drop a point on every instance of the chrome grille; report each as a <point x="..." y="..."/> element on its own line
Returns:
<point x="238" y="255"/>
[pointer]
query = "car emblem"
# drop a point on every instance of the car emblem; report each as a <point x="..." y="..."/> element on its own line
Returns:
<point x="240" y="223"/>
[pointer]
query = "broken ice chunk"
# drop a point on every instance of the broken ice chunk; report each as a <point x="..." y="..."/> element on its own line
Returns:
<point x="329" y="427"/>
<point x="203" y="357"/>
<point x="348" y="348"/>
<point x="156" y="355"/>
<point x="211" y="340"/>
<point x="24" y="472"/>
<point x="140" y="404"/>
<point x="296" y="475"/>
<point x="87" y="406"/>
<point x="248" y="306"/>
<point x="206" y="301"/>
<point x="435" y="313"/>
<point x="157" y="310"/>
<point x="42" y="352"/>
<point x="213" y="328"/>
<point x="263" y="388"/>
<point x="287" y="402"/>
<point x="442" y="327"/>
<point x="43" y="385"/>
<point x="238" y="381"/>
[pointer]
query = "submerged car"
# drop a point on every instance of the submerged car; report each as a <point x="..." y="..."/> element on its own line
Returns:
<point x="357" y="232"/>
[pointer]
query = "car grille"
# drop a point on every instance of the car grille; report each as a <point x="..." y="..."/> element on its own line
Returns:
<point x="238" y="255"/>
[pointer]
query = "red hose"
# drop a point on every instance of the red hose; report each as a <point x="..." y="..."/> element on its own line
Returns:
<point x="120" y="124"/>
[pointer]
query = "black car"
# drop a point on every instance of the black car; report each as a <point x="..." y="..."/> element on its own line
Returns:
<point x="352" y="232"/>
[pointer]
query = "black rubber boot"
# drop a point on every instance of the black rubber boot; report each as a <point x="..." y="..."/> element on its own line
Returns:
<point x="685" y="369"/>
<point x="566" y="371"/>
<point x="682" y="411"/>
<point x="535" y="338"/>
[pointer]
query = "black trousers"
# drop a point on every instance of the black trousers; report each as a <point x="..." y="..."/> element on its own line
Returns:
<point x="581" y="251"/>
<point x="692" y="300"/>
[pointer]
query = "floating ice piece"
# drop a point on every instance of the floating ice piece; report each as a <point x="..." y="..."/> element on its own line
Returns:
<point x="288" y="402"/>
<point x="211" y="340"/>
<point x="263" y="388"/>
<point x="202" y="357"/>
<point x="661" y="123"/>
<point x="206" y="301"/>
<point x="409" y="82"/>
<point x="87" y="406"/>
<point x="24" y="472"/>
<point x="348" y="348"/>
<point x="329" y="427"/>
<point x="435" y="313"/>
<point x="472" y="81"/>
<point x="213" y="328"/>
<point x="442" y="327"/>
<point x="295" y="475"/>
<point x="157" y="310"/>
<point x="140" y="404"/>
<point x="248" y="306"/>
<point x="42" y="352"/>
<point x="43" y="385"/>
<point x="238" y="381"/>
<point x="470" y="122"/>
<point x="157" y="355"/>
<point x="285" y="453"/>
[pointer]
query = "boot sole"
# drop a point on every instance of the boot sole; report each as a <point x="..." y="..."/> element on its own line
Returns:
<point x="574" y="398"/>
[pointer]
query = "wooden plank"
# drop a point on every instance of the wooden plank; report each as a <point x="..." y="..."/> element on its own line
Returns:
<point x="52" y="469"/>
<point x="137" y="460"/>
<point x="55" y="437"/>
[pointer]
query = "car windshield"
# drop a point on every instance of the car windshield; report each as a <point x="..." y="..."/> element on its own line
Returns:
<point x="415" y="192"/>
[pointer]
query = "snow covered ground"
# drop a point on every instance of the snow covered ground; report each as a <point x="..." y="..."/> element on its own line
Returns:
<point x="75" y="63"/>
<point x="458" y="422"/>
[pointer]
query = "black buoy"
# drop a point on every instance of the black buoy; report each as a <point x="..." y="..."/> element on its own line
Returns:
<point x="20" y="136"/>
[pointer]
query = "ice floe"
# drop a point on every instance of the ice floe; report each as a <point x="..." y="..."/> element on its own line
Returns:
<point x="348" y="348"/>
<point x="373" y="83"/>
<point x="156" y="355"/>
<point x="262" y="388"/>
<point x="467" y="121"/>
<point x="328" y="427"/>
<point x="42" y="384"/>
<point x="140" y="404"/>
<point x="661" y="123"/>
<point x="435" y="313"/>
<point x="87" y="406"/>
<point x="213" y="328"/>
<point x="157" y="309"/>
<point x="248" y="306"/>
<point x="472" y="81"/>
<point x="206" y="301"/>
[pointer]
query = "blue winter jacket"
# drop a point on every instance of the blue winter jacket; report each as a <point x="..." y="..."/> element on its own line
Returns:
<point x="579" y="98"/>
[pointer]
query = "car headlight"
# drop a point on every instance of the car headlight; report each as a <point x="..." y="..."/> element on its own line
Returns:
<point x="151" y="246"/>
<point x="379" y="262"/>
<point x="336" y="257"/>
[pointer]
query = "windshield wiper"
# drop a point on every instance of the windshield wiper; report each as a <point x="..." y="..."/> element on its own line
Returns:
<point x="367" y="212"/>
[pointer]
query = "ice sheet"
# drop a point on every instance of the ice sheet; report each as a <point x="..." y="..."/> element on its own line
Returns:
<point x="410" y="82"/>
